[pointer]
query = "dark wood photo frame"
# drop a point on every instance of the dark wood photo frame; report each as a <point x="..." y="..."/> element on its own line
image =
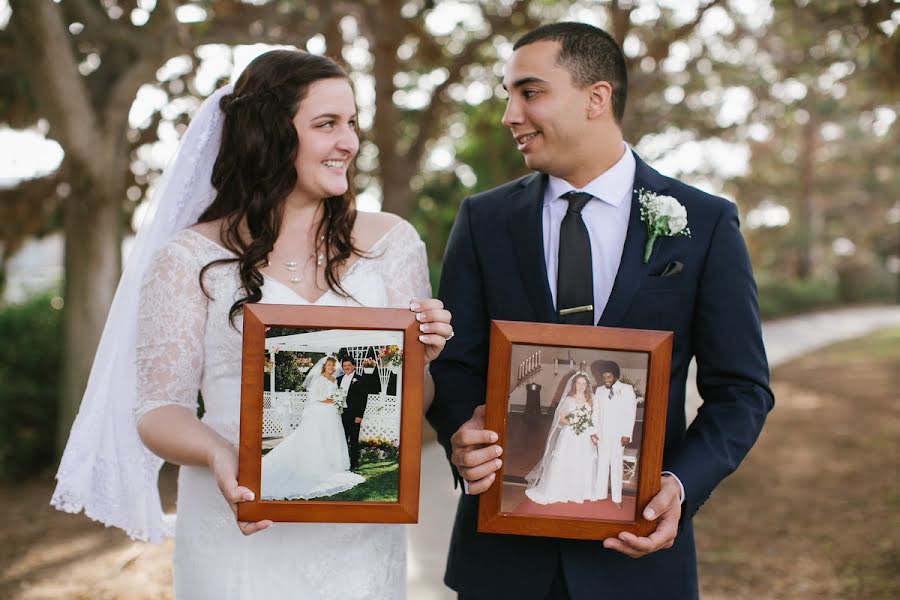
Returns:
<point x="258" y="318"/>
<point x="533" y="343"/>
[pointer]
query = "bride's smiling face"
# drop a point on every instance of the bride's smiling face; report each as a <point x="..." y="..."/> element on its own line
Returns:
<point x="328" y="368"/>
<point x="328" y="139"/>
<point x="580" y="386"/>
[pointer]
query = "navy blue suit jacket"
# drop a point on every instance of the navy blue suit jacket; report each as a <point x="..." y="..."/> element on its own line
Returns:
<point x="494" y="269"/>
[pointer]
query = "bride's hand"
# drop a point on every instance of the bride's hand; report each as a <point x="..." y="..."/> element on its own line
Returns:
<point x="223" y="462"/>
<point x="434" y="325"/>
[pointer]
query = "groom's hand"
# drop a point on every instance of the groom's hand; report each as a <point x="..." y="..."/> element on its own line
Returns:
<point x="666" y="507"/>
<point x="475" y="459"/>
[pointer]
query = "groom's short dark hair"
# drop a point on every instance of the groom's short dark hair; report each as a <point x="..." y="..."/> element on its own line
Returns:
<point x="589" y="54"/>
<point x="348" y="359"/>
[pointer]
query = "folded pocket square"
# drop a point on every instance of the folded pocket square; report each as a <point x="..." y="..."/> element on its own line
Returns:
<point x="673" y="268"/>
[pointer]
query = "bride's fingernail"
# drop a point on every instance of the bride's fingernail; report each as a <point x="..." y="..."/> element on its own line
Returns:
<point x="414" y="306"/>
<point x="422" y="338"/>
<point x="249" y="496"/>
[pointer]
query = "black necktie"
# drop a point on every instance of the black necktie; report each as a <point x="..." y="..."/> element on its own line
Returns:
<point x="575" y="280"/>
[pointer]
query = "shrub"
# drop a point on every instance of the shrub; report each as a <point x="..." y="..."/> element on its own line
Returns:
<point x="30" y="366"/>
<point x="783" y="298"/>
<point x="866" y="283"/>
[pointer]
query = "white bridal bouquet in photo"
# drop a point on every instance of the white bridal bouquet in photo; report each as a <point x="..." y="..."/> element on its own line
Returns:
<point x="580" y="418"/>
<point x="340" y="399"/>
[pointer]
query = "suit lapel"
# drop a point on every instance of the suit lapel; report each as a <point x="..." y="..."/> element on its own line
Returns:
<point x="526" y="231"/>
<point x="632" y="269"/>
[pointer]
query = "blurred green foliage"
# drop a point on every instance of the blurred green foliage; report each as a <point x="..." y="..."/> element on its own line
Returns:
<point x="857" y="284"/>
<point x="30" y="364"/>
<point x="781" y="298"/>
<point x="486" y="157"/>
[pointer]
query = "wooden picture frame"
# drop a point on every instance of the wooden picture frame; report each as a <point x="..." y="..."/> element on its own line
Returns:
<point x="348" y="323"/>
<point x="508" y="506"/>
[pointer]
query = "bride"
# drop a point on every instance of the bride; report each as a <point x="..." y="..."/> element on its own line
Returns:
<point x="256" y="207"/>
<point x="313" y="460"/>
<point x="566" y="472"/>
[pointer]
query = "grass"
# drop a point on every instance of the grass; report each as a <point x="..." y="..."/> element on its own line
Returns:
<point x="881" y="345"/>
<point x="381" y="485"/>
<point x="812" y="512"/>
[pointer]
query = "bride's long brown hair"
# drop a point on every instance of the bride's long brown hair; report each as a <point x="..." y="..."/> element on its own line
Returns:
<point x="254" y="171"/>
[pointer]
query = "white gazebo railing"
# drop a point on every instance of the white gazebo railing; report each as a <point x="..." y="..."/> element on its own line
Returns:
<point x="382" y="418"/>
<point x="282" y="412"/>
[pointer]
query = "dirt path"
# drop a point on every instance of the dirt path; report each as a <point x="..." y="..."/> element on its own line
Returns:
<point x="811" y="514"/>
<point x="48" y="554"/>
<point x="813" y="511"/>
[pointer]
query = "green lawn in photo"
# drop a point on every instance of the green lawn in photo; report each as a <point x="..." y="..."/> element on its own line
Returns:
<point x="381" y="484"/>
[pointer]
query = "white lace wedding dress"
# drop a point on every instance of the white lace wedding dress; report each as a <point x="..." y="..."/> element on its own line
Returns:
<point x="570" y="471"/>
<point x="313" y="460"/>
<point x="186" y="344"/>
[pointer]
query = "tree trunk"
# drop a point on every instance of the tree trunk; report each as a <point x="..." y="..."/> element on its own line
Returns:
<point x="3" y="259"/>
<point x="812" y="226"/>
<point x="398" y="195"/>
<point x="93" y="261"/>
<point x="395" y="166"/>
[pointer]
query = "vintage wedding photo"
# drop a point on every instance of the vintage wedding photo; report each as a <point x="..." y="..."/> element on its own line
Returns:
<point x="331" y="414"/>
<point x="574" y="424"/>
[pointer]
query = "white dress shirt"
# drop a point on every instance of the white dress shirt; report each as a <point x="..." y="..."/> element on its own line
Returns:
<point x="606" y="218"/>
<point x="347" y="380"/>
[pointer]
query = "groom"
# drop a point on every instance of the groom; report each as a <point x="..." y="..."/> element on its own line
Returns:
<point x="520" y="252"/>
<point x="357" y="388"/>
<point x="615" y="410"/>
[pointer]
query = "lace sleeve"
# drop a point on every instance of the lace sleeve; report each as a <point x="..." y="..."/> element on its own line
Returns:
<point x="318" y="390"/>
<point x="171" y="327"/>
<point x="406" y="267"/>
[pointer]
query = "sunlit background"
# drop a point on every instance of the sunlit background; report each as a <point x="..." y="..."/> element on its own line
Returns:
<point x="786" y="107"/>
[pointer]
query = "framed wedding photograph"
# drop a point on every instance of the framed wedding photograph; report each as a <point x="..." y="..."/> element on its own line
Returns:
<point x="580" y="412"/>
<point x="331" y="414"/>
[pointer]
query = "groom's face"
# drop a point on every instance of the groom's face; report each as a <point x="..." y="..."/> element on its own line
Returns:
<point x="347" y="366"/>
<point x="546" y="111"/>
<point x="609" y="379"/>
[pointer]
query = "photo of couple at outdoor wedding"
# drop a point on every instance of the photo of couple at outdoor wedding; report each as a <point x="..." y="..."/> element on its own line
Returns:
<point x="575" y="420"/>
<point x="331" y="415"/>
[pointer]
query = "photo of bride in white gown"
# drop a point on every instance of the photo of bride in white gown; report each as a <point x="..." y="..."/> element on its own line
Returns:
<point x="566" y="472"/>
<point x="312" y="461"/>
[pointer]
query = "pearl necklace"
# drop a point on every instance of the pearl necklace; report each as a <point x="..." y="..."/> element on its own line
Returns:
<point x="292" y="265"/>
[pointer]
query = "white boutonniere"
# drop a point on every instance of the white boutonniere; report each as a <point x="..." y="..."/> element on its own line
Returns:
<point x="664" y="215"/>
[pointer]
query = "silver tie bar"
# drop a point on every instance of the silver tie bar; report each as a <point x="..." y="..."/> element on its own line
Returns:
<point x="576" y="309"/>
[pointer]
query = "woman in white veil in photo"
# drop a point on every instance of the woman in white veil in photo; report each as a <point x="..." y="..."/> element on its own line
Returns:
<point x="567" y="469"/>
<point x="312" y="461"/>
